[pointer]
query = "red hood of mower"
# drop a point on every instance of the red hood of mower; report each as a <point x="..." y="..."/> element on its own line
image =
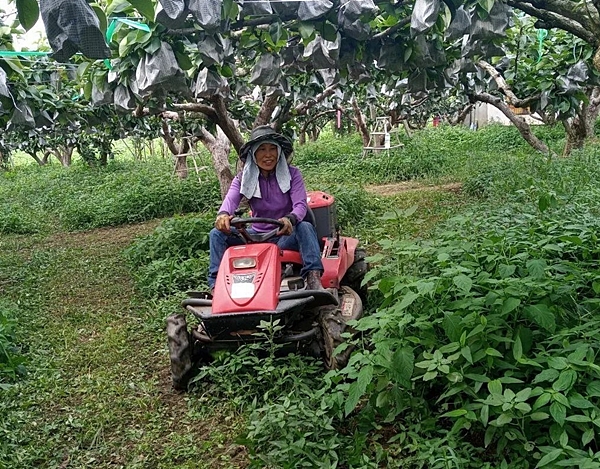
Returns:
<point x="246" y="279"/>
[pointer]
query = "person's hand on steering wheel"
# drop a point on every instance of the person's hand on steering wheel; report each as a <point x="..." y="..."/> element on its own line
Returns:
<point x="287" y="227"/>
<point x="222" y="223"/>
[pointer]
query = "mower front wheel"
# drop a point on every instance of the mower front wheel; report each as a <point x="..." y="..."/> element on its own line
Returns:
<point x="180" y="350"/>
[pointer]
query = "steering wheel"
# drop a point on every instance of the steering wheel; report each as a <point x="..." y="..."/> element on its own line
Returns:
<point x="242" y="223"/>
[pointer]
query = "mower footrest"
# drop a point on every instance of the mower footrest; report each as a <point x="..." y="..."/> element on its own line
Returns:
<point x="320" y="297"/>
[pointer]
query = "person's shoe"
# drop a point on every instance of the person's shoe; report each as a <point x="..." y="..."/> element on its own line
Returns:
<point x="313" y="280"/>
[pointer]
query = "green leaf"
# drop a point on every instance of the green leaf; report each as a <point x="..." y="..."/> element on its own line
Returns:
<point x="183" y="60"/>
<point x="478" y="378"/>
<point x="306" y="31"/>
<point x="542" y="316"/>
<point x="463" y="282"/>
<point x="517" y="349"/>
<point x="542" y="400"/>
<point x="101" y="17"/>
<point x="551" y="456"/>
<point x="587" y="436"/>
<point x="329" y="32"/>
<point x="579" y="402"/>
<point x="579" y="418"/>
<point x="455" y="413"/>
<point x="565" y="381"/>
<point x="558" y="412"/>
<point x="546" y="375"/>
<point x="537" y="416"/>
<point x="145" y="7"/>
<point x="537" y="268"/>
<point x="493" y="353"/>
<point x="402" y="366"/>
<point x="503" y="419"/>
<point x="485" y="414"/>
<point x="408" y="299"/>
<point x="357" y="388"/>
<point x="452" y="327"/>
<point x="510" y="304"/>
<point x="28" y="12"/>
<point x="495" y="387"/>
<point x="425" y="287"/>
<point x="506" y="270"/>
<point x="593" y="389"/>
<point x="466" y="352"/>
<point x="523" y="395"/>
<point x="558" y="363"/>
<point x="561" y="398"/>
<point x="489" y="436"/>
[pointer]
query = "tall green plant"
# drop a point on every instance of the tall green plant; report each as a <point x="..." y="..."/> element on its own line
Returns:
<point x="488" y="330"/>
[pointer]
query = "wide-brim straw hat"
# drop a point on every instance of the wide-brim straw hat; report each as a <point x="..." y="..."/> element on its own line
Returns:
<point x="266" y="132"/>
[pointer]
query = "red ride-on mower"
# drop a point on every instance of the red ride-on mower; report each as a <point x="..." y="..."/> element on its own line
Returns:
<point x="259" y="282"/>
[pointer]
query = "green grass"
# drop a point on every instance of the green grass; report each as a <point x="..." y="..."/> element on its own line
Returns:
<point x="97" y="391"/>
<point x="34" y="199"/>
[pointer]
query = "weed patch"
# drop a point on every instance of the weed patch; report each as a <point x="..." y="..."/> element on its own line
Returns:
<point x="486" y="329"/>
<point x="11" y="359"/>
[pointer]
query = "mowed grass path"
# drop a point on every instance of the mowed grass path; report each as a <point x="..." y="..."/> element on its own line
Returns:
<point x="98" y="392"/>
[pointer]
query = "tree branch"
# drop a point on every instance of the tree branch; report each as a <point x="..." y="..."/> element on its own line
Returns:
<point x="522" y="126"/>
<point x="246" y="23"/>
<point x="208" y="111"/>
<point x="505" y="88"/>
<point x="169" y="140"/>
<point x="303" y="108"/>
<point x="392" y="29"/>
<point x="462" y="115"/>
<point x="580" y="28"/>
<point x="582" y="14"/>
<point x="227" y="124"/>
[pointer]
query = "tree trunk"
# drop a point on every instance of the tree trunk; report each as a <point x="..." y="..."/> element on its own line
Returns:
<point x="181" y="167"/>
<point x="581" y="127"/>
<point x="266" y="110"/>
<point x="314" y="133"/>
<point x="64" y="154"/>
<point x="219" y="147"/>
<point x="179" y="151"/>
<point x="462" y="115"/>
<point x="359" y="120"/>
<point x="593" y="110"/>
<point x="39" y="161"/>
<point x="521" y="124"/>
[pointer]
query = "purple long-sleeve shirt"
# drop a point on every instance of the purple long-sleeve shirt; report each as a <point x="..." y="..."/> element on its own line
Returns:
<point x="273" y="202"/>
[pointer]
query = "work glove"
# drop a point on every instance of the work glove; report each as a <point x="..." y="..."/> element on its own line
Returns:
<point x="222" y="223"/>
<point x="287" y="227"/>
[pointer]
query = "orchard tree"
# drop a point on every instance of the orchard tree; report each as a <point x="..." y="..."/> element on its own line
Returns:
<point x="546" y="72"/>
<point x="239" y="63"/>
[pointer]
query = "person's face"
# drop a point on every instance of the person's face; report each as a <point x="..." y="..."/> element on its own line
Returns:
<point x="266" y="156"/>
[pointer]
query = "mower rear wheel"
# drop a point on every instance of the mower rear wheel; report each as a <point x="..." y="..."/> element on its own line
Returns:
<point x="356" y="273"/>
<point x="333" y="325"/>
<point x="180" y="350"/>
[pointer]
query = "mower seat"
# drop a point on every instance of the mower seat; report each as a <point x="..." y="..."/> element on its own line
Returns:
<point x="292" y="257"/>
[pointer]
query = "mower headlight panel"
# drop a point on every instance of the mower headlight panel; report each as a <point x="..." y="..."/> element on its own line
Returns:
<point x="244" y="263"/>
